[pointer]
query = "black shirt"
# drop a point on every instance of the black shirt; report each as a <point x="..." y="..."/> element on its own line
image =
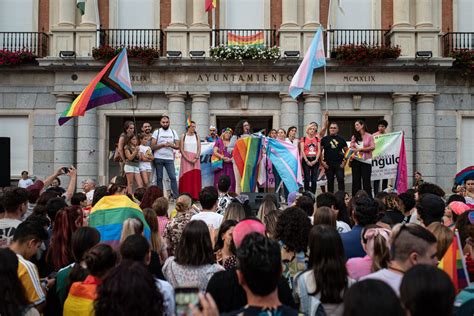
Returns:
<point x="257" y="311"/>
<point x="333" y="146"/>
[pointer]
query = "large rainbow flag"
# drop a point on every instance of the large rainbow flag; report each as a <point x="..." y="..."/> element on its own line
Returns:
<point x="82" y="295"/>
<point x="246" y="155"/>
<point x="286" y="159"/>
<point x="256" y="39"/>
<point x="112" y="84"/>
<point x="108" y="215"/>
<point x="454" y="264"/>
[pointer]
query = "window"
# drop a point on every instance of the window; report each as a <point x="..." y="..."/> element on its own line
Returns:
<point x="17" y="16"/>
<point x="244" y="14"/>
<point x="465" y="22"/>
<point x="17" y="128"/>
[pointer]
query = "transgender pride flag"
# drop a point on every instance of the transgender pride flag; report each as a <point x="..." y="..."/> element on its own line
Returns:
<point x="314" y="58"/>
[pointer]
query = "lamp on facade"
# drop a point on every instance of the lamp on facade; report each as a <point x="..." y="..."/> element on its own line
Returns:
<point x="174" y="54"/>
<point x="67" y="54"/>
<point x="197" y="54"/>
<point x="292" y="54"/>
<point x="423" y="54"/>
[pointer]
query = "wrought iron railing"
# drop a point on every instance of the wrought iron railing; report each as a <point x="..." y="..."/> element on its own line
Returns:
<point x="457" y="40"/>
<point x="35" y="42"/>
<point x="241" y="37"/>
<point x="153" y="38"/>
<point x="372" y="37"/>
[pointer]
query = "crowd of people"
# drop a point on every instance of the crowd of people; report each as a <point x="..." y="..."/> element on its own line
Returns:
<point x="109" y="251"/>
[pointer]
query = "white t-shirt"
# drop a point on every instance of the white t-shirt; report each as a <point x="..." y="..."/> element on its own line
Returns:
<point x="165" y="136"/>
<point x="210" y="218"/>
<point x="342" y="227"/>
<point x="145" y="150"/>
<point x="90" y="196"/>
<point x="393" y="279"/>
<point x="190" y="144"/>
<point x="25" y="183"/>
<point x="7" y="229"/>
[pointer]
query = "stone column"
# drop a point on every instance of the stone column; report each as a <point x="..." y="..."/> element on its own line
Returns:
<point x="426" y="137"/>
<point x="178" y="13"/>
<point x="199" y="14"/>
<point x="289" y="111"/>
<point x="402" y="121"/>
<point x="401" y="13"/>
<point x="311" y="13"/>
<point x="424" y="16"/>
<point x="289" y="13"/>
<point x="402" y="32"/>
<point x="176" y="111"/>
<point x="62" y="30"/>
<point x="67" y="13"/>
<point x="177" y="31"/>
<point x="90" y="13"/>
<point x="86" y="32"/>
<point x="427" y="36"/>
<point x="312" y="109"/>
<point x="200" y="113"/>
<point x="63" y="136"/>
<point x="87" y="146"/>
<point x="290" y="32"/>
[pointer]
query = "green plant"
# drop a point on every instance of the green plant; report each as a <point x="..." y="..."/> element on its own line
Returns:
<point x="464" y="59"/>
<point x="9" y="58"/>
<point x="145" y="54"/>
<point x="240" y="53"/>
<point x="364" y="54"/>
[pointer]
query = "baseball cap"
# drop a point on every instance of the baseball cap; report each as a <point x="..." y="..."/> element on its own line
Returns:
<point x="245" y="227"/>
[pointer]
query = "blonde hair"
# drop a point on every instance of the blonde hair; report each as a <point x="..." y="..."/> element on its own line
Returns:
<point x="444" y="238"/>
<point x="183" y="203"/>
<point x="324" y="216"/>
<point x="234" y="211"/>
<point x="131" y="226"/>
<point x="377" y="246"/>
<point x="312" y="124"/>
<point x="270" y="222"/>
<point x="160" y="206"/>
<point x="266" y="207"/>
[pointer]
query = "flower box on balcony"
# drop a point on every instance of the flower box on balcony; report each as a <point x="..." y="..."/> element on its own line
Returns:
<point x="8" y="58"/>
<point x="146" y="55"/>
<point x="364" y="54"/>
<point x="464" y="59"/>
<point x="247" y="52"/>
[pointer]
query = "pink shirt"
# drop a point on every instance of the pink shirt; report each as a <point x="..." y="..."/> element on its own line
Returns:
<point x="367" y="141"/>
<point x="162" y="221"/>
<point x="359" y="267"/>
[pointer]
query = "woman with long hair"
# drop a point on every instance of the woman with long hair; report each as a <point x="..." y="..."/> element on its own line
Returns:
<point x="152" y="193"/>
<point x="157" y="244"/>
<point x="444" y="237"/>
<point x="324" y="216"/>
<point x="13" y="301"/>
<point x="327" y="275"/>
<point x="268" y="205"/>
<point x="160" y="206"/>
<point x="234" y="211"/>
<point x="291" y="135"/>
<point x="342" y="200"/>
<point x="224" y="247"/>
<point x="132" y="159"/>
<point x="128" y="129"/>
<point x="194" y="263"/>
<point x="131" y="226"/>
<point x="242" y="129"/>
<point x="190" y="170"/>
<point x="310" y="150"/>
<point x="270" y="221"/>
<point x="174" y="228"/>
<point x="362" y="144"/>
<point x="223" y="151"/>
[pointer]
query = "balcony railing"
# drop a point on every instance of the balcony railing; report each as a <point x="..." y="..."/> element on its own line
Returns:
<point x="36" y="42"/>
<point x="372" y="37"/>
<point x="152" y="38"/>
<point x="457" y="40"/>
<point x="241" y="37"/>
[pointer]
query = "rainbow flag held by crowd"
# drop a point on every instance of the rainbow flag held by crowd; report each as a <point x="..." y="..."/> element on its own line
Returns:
<point x="108" y="215"/>
<point x="286" y="159"/>
<point x="256" y="39"/>
<point x="246" y="155"/>
<point x="454" y="264"/>
<point x="112" y="84"/>
<point x="82" y="295"/>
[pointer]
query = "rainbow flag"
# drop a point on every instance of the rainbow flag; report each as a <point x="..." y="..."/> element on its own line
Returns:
<point x="454" y="264"/>
<point x="256" y="39"/>
<point x="286" y="159"/>
<point x="82" y="295"/>
<point x="112" y="84"/>
<point x="108" y="215"/>
<point x="188" y="122"/>
<point x="210" y="4"/>
<point x="246" y="155"/>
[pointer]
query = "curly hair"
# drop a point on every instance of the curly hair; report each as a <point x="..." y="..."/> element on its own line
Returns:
<point x="293" y="228"/>
<point x="365" y="211"/>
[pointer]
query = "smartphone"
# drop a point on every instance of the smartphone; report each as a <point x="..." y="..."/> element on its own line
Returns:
<point x="65" y="170"/>
<point x="185" y="296"/>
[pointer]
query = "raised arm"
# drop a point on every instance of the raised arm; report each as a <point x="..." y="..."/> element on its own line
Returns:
<point x="72" y="183"/>
<point x="324" y="123"/>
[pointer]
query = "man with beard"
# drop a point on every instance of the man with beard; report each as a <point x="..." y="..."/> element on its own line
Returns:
<point x="333" y="147"/>
<point x="164" y="141"/>
<point x="146" y="129"/>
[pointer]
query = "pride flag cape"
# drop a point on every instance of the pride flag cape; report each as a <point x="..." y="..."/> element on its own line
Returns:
<point x="112" y="84"/>
<point x="454" y="264"/>
<point x="256" y="39"/>
<point x="401" y="181"/>
<point x="286" y="159"/>
<point x="246" y="155"/>
<point x="108" y="215"/>
<point x="463" y="174"/>
<point x="82" y="295"/>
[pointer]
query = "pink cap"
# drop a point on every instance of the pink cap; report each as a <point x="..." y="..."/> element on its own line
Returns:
<point x="458" y="207"/>
<point x="245" y="227"/>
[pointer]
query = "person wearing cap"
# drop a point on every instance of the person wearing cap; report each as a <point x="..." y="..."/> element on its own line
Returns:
<point x="452" y="212"/>
<point x="430" y="209"/>
<point x="15" y="203"/>
<point x="212" y="137"/>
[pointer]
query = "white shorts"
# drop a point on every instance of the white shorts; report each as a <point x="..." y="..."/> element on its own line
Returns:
<point x="143" y="166"/>
<point x="131" y="169"/>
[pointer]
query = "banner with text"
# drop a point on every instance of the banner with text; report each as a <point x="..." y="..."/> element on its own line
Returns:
<point x="386" y="155"/>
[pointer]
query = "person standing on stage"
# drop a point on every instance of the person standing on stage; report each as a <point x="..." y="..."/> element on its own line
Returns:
<point x="310" y="149"/>
<point x="128" y="130"/>
<point x="190" y="170"/>
<point x="333" y="147"/>
<point x="212" y="137"/>
<point x="381" y="129"/>
<point x="222" y="151"/>
<point x="291" y="135"/>
<point x="147" y="130"/>
<point x="362" y="144"/>
<point x="164" y="140"/>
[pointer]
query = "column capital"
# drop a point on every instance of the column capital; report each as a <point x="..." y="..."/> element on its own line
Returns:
<point x="176" y="95"/>
<point x="63" y="97"/>
<point x="200" y="95"/>
<point x="402" y="97"/>
<point x="426" y="97"/>
<point x="285" y="97"/>
<point x="315" y="97"/>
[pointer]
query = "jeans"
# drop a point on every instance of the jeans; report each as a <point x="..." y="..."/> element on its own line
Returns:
<point x="169" y="165"/>
<point x="361" y="172"/>
<point x="338" y="171"/>
<point x="377" y="185"/>
<point x="310" y="175"/>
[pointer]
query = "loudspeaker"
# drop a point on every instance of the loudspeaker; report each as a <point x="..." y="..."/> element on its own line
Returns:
<point x="5" y="160"/>
<point x="256" y="198"/>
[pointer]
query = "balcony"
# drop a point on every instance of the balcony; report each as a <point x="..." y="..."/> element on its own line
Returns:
<point x="35" y="42"/>
<point x="150" y="38"/>
<point x="371" y="37"/>
<point x="457" y="40"/>
<point x="264" y="38"/>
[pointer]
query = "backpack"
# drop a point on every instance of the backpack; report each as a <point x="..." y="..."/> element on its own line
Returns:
<point x="464" y="303"/>
<point x="309" y="304"/>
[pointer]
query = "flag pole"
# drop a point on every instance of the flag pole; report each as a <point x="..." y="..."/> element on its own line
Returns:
<point x="213" y="27"/>
<point x="325" y="88"/>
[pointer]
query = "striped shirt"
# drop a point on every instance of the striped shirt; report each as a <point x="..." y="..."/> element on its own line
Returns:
<point x="29" y="277"/>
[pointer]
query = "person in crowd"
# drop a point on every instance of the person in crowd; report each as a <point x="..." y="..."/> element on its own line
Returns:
<point x="310" y="149"/>
<point x="223" y="186"/>
<point x="258" y="273"/>
<point x="273" y="133"/>
<point x="306" y="204"/>
<point x="27" y="239"/>
<point x="160" y="206"/>
<point x="326" y="279"/>
<point x="410" y="245"/>
<point x="362" y="144"/>
<point x="291" y="135"/>
<point x="270" y="221"/>
<point x="223" y="151"/>
<point x="212" y="137"/>
<point x="342" y="201"/>
<point x="193" y="263"/>
<point x="146" y="157"/>
<point x="444" y="237"/>
<point x="137" y="248"/>
<point x="88" y="187"/>
<point x="152" y="193"/>
<point x="420" y="285"/>
<point x="455" y="198"/>
<point x="158" y="246"/>
<point x="25" y="181"/>
<point x="365" y="213"/>
<point x="409" y="203"/>
<point x="430" y="209"/>
<point x="469" y="184"/>
<point x="235" y="211"/>
<point x="147" y="130"/>
<point x="132" y="159"/>
<point x="452" y="212"/>
<point x="78" y="199"/>
<point x="268" y="205"/>
<point x="280" y="136"/>
<point x="174" y="228"/>
<point x="333" y="147"/>
<point x="98" y="261"/>
<point x="99" y="193"/>
<point x="372" y="297"/>
<point x="164" y="141"/>
<point x="329" y="200"/>
<point x="56" y="186"/>
<point x="131" y="226"/>
<point x="418" y="180"/>
<point x="224" y="247"/>
<point x="242" y="129"/>
<point x="324" y="216"/>
<point x="190" y="170"/>
<point x="208" y="199"/>
<point x="376" y="243"/>
<point x="13" y="300"/>
<point x="381" y="130"/>
<point x="138" y="194"/>
<point x="395" y="209"/>
<point x="128" y="130"/>
<point x="15" y="202"/>
<point x="292" y="232"/>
